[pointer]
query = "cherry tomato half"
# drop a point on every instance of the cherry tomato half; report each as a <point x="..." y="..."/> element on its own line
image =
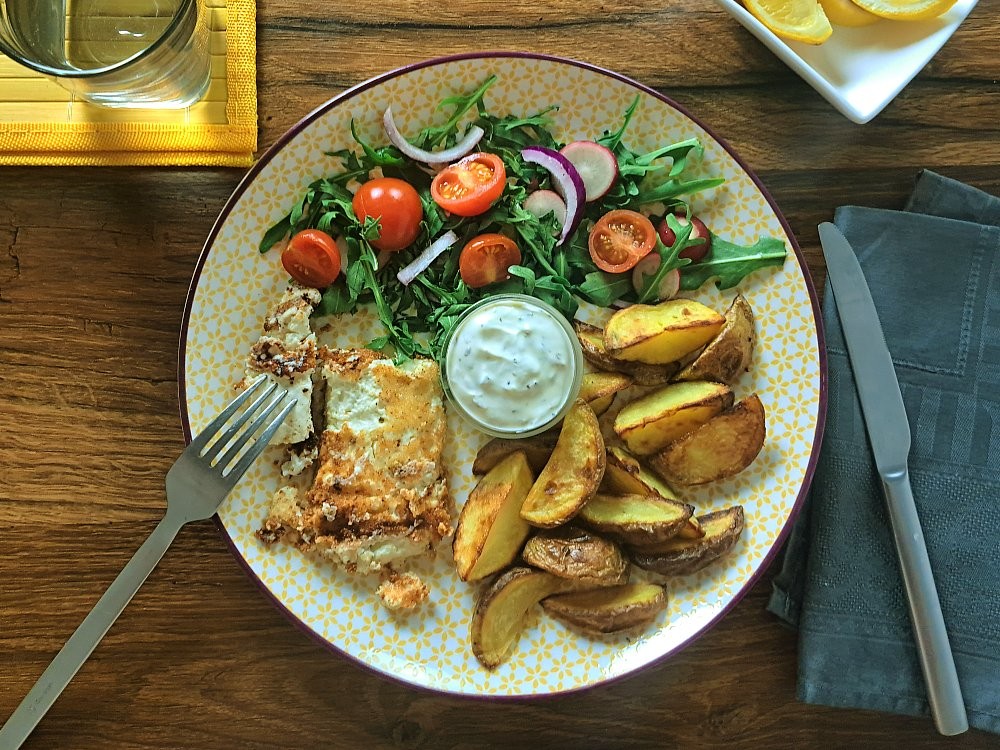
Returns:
<point x="312" y="258"/>
<point x="486" y="258"/>
<point x="396" y="204"/>
<point x="470" y="186"/>
<point x="620" y="239"/>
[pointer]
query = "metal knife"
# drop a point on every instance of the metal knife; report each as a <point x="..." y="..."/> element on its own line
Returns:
<point x="889" y="432"/>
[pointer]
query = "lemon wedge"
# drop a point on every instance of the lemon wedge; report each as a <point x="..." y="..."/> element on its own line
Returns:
<point x="798" y="20"/>
<point x="906" y="10"/>
<point x="847" y="13"/>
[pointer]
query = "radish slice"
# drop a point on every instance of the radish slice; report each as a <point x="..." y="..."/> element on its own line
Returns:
<point x="596" y="164"/>
<point x="566" y="181"/>
<point x="670" y="284"/>
<point x="543" y="202"/>
<point x="448" y="155"/>
<point x="420" y="263"/>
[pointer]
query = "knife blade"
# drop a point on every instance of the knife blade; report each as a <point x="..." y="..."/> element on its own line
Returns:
<point x="889" y="434"/>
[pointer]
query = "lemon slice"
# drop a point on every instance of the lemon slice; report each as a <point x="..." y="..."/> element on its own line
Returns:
<point x="847" y="13"/>
<point x="798" y="20"/>
<point x="906" y="10"/>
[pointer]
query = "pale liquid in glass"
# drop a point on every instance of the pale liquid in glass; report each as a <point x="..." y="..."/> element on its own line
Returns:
<point x="73" y="36"/>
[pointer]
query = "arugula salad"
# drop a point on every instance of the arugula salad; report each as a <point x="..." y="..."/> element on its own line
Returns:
<point x="484" y="204"/>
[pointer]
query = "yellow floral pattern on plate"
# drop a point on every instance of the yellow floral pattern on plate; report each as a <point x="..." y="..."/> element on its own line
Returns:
<point x="431" y="647"/>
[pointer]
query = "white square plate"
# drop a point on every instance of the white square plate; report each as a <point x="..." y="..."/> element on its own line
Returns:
<point x="860" y="70"/>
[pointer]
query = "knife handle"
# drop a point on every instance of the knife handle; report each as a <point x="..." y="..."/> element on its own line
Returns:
<point x="943" y="690"/>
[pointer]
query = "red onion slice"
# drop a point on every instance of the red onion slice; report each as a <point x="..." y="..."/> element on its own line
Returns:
<point x="565" y="180"/>
<point x="420" y="263"/>
<point x="448" y="155"/>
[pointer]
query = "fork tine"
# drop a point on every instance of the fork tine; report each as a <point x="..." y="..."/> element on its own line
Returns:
<point x="212" y="451"/>
<point x="227" y="453"/>
<point x="202" y="438"/>
<point x="255" y="449"/>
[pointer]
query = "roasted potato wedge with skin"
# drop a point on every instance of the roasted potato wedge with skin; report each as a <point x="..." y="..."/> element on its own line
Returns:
<point x="730" y="353"/>
<point x="490" y="530"/>
<point x="592" y="342"/>
<point x="537" y="449"/>
<point x="635" y="519"/>
<point x="642" y="479"/>
<point x="499" y="616"/>
<point x="625" y="475"/>
<point x="573" y="472"/>
<point x="721" y="447"/>
<point x="598" y="389"/>
<point x="692" y="529"/>
<point x="609" y="610"/>
<point x="650" y="423"/>
<point x="684" y="556"/>
<point x="576" y="554"/>
<point x="657" y="334"/>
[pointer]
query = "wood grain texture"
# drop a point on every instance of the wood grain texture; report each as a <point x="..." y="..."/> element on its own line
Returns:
<point x="94" y="270"/>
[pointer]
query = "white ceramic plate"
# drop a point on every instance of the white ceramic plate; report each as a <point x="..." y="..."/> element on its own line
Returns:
<point x="234" y="285"/>
<point x="860" y="70"/>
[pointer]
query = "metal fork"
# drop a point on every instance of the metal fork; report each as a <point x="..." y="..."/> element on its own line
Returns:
<point x="197" y="484"/>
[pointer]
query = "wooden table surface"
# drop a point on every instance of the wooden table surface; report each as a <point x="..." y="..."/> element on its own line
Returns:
<point x="94" y="269"/>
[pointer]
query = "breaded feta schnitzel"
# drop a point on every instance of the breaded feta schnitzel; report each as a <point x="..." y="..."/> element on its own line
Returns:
<point x="380" y="493"/>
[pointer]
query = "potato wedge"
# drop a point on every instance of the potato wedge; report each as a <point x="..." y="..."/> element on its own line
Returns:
<point x="490" y="530"/>
<point x="657" y="334"/>
<point x="650" y="423"/>
<point x="625" y="475"/>
<point x="499" y="616"/>
<point x="609" y="610"/>
<point x="635" y="519"/>
<point x="592" y="342"/>
<point x="730" y="353"/>
<point x="683" y="556"/>
<point x="598" y="389"/>
<point x="721" y="447"/>
<point x="575" y="553"/>
<point x="537" y="449"/>
<point x="692" y="529"/>
<point x="573" y="472"/>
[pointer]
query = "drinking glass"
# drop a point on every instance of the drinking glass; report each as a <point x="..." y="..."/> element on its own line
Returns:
<point x="119" y="53"/>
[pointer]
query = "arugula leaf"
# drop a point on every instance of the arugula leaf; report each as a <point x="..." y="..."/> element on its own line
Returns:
<point x="337" y="298"/>
<point x="435" y="135"/>
<point x="730" y="263"/>
<point x="276" y="233"/>
<point x="558" y="292"/>
<point x="669" y="259"/>
<point x="382" y="157"/>
<point x="527" y="275"/>
<point x="602" y="288"/>
<point x="672" y="188"/>
<point x="678" y="153"/>
<point x="611" y="140"/>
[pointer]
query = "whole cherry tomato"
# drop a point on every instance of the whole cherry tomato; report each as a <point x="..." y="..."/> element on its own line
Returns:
<point x="396" y="204"/>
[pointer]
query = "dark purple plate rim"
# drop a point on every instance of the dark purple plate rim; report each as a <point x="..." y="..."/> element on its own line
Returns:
<point x="378" y="80"/>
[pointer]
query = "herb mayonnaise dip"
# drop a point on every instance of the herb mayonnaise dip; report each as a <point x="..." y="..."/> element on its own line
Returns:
<point x="513" y="365"/>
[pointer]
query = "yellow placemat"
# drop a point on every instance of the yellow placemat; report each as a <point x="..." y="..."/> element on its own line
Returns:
<point x="41" y="123"/>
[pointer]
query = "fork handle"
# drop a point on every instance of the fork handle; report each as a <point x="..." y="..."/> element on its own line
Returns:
<point x="81" y="644"/>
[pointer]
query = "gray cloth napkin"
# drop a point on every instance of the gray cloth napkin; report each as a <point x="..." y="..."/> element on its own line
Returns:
<point x="934" y="272"/>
